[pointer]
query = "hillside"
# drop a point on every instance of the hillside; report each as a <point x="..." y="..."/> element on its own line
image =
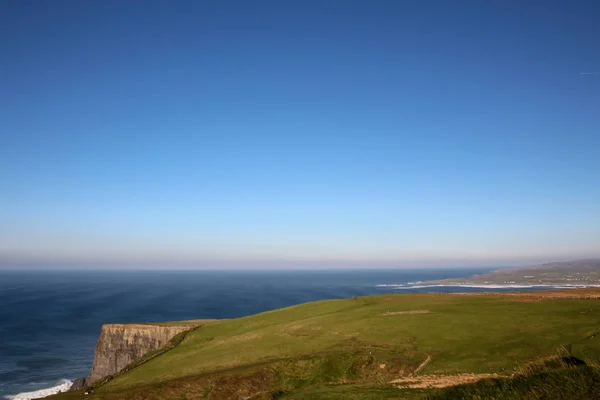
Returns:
<point x="564" y="382"/>
<point x="354" y="348"/>
<point x="569" y="273"/>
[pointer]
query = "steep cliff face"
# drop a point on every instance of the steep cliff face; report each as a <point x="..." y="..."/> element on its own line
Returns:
<point x="120" y="344"/>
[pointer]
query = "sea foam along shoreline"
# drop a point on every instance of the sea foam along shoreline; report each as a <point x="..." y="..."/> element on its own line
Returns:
<point x="483" y="286"/>
<point x="61" y="386"/>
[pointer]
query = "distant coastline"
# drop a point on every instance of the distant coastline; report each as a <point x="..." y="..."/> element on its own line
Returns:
<point x="558" y="275"/>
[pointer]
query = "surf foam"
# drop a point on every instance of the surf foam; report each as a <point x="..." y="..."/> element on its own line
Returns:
<point x="490" y="286"/>
<point x="62" y="386"/>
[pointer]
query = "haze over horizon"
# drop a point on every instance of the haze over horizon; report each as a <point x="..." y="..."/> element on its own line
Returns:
<point x="340" y="133"/>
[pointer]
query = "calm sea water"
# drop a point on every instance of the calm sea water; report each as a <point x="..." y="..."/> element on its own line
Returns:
<point x="49" y="321"/>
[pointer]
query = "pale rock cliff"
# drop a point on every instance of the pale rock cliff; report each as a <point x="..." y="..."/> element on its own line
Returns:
<point x="120" y="344"/>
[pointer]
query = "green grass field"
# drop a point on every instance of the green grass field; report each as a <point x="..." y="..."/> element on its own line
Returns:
<point x="352" y="348"/>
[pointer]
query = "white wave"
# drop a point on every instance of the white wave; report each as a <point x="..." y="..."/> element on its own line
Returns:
<point x="418" y="286"/>
<point x="500" y="286"/>
<point x="390" y="285"/>
<point x="497" y="286"/>
<point x="62" y="386"/>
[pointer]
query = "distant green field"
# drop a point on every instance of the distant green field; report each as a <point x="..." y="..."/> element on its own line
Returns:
<point x="352" y="348"/>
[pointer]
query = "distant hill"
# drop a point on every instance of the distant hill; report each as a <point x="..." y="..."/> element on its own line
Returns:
<point x="580" y="273"/>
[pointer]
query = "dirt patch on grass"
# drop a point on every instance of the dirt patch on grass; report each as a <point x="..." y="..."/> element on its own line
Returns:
<point x="390" y="313"/>
<point x="439" y="381"/>
<point x="244" y="337"/>
<point x="296" y="330"/>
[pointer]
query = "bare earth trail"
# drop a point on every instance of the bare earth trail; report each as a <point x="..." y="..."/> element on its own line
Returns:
<point x="439" y="381"/>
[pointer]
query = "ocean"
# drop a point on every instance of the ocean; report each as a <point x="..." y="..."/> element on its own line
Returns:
<point x="50" y="320"/>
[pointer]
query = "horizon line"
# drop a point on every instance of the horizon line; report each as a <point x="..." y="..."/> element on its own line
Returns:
<point x="11" y="263"/>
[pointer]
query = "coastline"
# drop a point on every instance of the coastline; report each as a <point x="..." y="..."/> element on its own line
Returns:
<point x="337" y="285"/>
<point x="62" y="386"/>
<point x="487" y="286"/>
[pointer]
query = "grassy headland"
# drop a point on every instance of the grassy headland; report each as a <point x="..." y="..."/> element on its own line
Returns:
<point x="353" y="348"/>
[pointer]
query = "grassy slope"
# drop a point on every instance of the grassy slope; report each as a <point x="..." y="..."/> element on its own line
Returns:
<point x="346" y="341"/>
<point x="569" y="383"/>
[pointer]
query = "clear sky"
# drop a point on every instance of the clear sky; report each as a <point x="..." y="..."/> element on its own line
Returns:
<point x="439" y="132"/>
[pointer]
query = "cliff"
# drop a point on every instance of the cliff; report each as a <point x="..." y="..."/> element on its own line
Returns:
<point x="120" y="344"/>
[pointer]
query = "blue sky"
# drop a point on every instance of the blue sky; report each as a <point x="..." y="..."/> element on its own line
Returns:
<point x="300" y="131"/>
